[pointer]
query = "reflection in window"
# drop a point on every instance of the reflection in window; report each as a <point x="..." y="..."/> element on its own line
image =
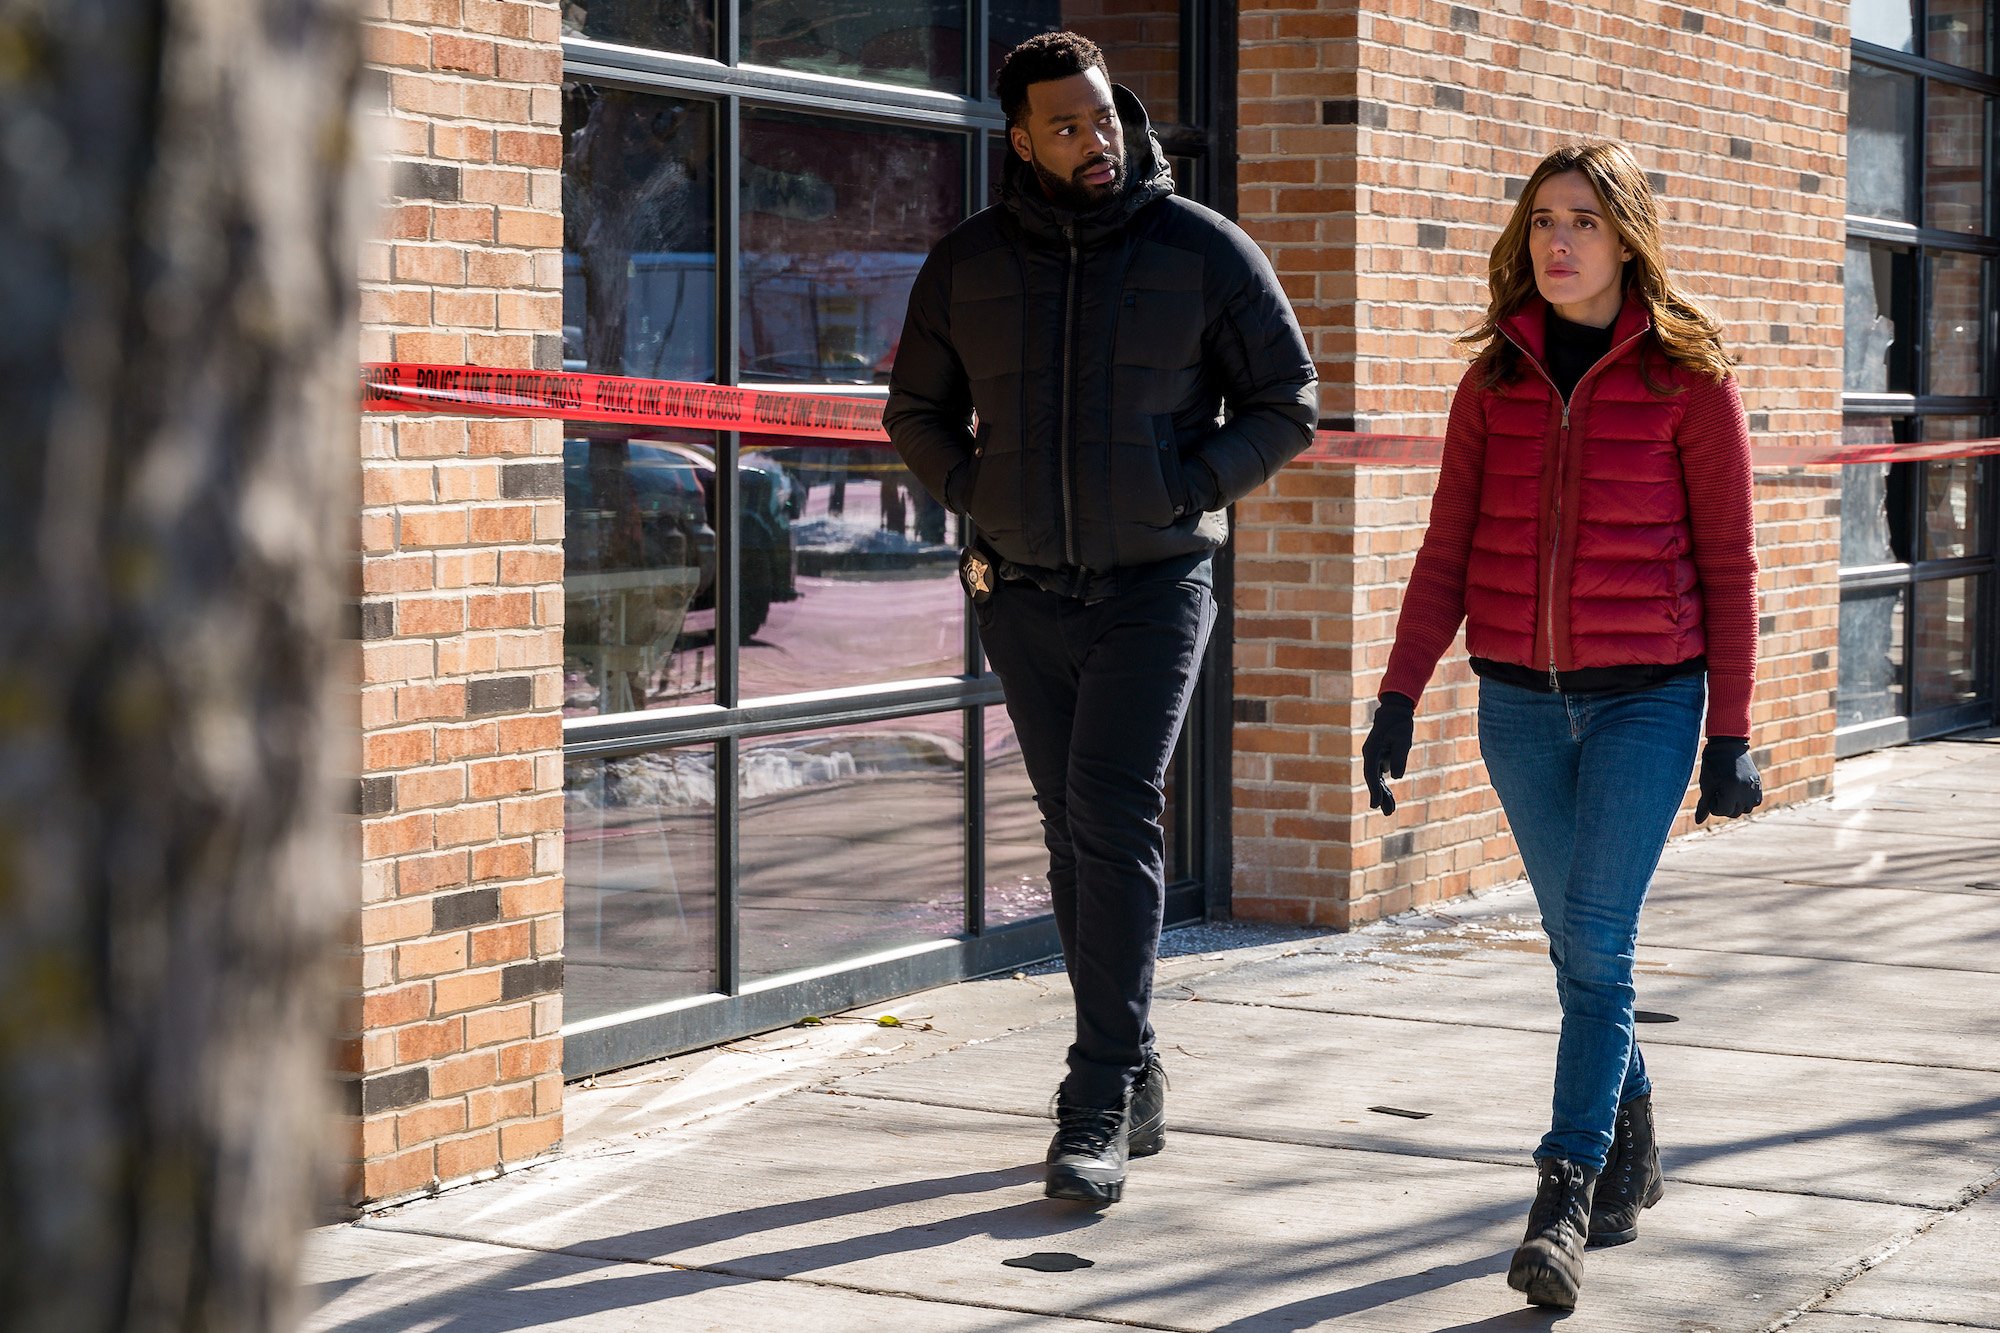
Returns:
<point x="1955" y="492"/>
<point x="1955" y="364"/>
<point x="875" y="595"/>
<point x="1881" y="140"/>
<point x="1141" y="40"/>
<point x="639" y="880"/>
<point x="638" y="234"/>
<point x="1871" y="655"/>
<point x="837" y="219"/>
<point x="920" y="42"/>
<point x="1956" y="33"/>
<point x="1878" y="281"/>
<point x="639" y="572"/>
<point x="1951" y="645"/>
<point x="852" y="841"/>
<point x="1890" y="23"/>
<point x="1956" y="153"/>
<point x="1017" y="860"/>
<point x="686" y="27"/>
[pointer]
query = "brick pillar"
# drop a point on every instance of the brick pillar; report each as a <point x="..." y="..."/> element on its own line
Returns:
<point x="455" y="1046"/>
<point x="1381" y="148"/>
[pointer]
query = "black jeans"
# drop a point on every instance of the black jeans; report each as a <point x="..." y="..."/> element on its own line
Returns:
<point x="1097" y="692"/>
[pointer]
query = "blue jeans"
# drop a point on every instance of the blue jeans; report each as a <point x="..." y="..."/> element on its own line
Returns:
<point x="1591" y="784"/>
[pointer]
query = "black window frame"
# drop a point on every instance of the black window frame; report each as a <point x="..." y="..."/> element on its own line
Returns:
<point x="1910" y="411"/>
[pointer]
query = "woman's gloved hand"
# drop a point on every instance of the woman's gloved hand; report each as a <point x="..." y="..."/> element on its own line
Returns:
<point x="1729" y="782"/>
<point x="1387" y="749"/>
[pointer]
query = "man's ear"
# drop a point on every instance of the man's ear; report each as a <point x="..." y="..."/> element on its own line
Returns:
<point x="1019" y="138"/>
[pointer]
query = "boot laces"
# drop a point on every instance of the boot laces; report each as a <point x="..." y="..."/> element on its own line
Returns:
<point x="1087" y="1129"/>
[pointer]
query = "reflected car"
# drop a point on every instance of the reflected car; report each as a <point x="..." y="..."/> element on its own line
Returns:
<point x="767" y="502"/>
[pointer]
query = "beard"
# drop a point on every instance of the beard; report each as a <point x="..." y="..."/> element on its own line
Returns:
<point x="1071" y="191"/>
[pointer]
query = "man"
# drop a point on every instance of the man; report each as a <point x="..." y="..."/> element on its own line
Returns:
<point x="1097" y="325"/>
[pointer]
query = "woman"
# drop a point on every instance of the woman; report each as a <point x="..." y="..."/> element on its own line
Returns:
<point x="1592" y="529"/>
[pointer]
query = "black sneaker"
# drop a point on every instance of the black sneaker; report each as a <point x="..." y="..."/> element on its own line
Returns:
<point x="1148" y="1131"/>
<point x="1087" y="1156"/>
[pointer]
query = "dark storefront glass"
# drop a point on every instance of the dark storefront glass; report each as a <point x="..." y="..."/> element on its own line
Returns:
<point x="1880" y="283"/>
<point x="852" y="841"/>
<point x="1017" y="860"/>
<point x="918" y="42"/>
<point x="639" y="571"/>
<point x="638" y="234"/>
<point x="1955" y="359"/>
<point x="1141" y="40"/>
<point x="639" y="880"/>
<point x="866" y="587"/>
<point x="1954" y="508"/>
<point x="1881" y="135"/>
<point x="837" y="218"/>
<point x="686" y="27"/>
<point x="1957" y="150"/>
<point x="1951" y="642"/>
<point x="1871" y="655"/>
<point x="1957" y="33"/>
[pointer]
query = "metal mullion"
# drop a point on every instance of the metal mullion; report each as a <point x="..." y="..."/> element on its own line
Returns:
<point x="729" y="32"/>
<point x="1904" y="63"/>
<point x="728" y="927"/>
<point x="728" y="304"/>
<point x="978" y="34"/>
<point x="1910" y="236"/>
<point x="975" y="821"/>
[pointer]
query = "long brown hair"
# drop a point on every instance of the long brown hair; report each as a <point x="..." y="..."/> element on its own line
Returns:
<point x="1686" y="334"/>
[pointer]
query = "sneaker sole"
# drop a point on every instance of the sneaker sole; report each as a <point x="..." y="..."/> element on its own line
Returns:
<point x="1542" y="1283"/>
<point x="1145" y="1145"/>
<point x="1069" y="1185"/>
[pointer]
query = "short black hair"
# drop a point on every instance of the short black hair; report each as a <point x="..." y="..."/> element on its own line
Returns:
<point x="1045" y="56"/>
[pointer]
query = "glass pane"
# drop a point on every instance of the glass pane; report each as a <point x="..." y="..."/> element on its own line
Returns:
<point x="850" y="571"/>
<point x="920" y="42"/>
<point x="837" y="218"/>
<point x="1951" y="644"/>
<point x="1954" y="503"/>
<point x="1955" y="365"/>
<point x="639" y="872"/>
<point x="851" y="841"/>
<point x="638" y="571"/>
<point x="1890" y="23"/>
<point x="1141" y="40"/>
<point x="1957" y="33"/>
<point x="1871" y="655"/>
<point x="638" y="234"/>
<point x="1017" y="860"/>
<point x="686" y="27"/>
<point x="1879" y="284"/>
<point x="1955" y="152"/>
<point x="1881" y="142"/>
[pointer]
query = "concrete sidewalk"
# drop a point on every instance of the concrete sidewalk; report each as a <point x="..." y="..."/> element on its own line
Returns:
<point x="1351" y="1119"/>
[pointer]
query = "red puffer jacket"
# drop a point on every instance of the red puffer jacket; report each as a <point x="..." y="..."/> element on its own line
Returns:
<point x="1617" y="531"/>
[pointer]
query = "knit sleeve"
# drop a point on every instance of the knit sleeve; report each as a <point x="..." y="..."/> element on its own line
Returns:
<point x="1434" y="602"/>
<point x="1715" y="463"/>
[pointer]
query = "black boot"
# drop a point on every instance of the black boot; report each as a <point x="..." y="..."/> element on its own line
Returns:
<point x="1087" y="1156"/>
<point x="1631" y="1179"/>
<point x="1148" y="1132"/>
<point x="1548" y="1267"/>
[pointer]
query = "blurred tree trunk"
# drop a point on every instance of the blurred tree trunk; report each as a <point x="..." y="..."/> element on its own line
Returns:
<point x="179" y="216"/>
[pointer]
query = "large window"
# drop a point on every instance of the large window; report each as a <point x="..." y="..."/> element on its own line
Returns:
<point x="1918" y="587"/>
<point x="790" y="784"/>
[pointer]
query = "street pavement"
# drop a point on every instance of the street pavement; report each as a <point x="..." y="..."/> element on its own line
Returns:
<point x="1350" y="1116"/>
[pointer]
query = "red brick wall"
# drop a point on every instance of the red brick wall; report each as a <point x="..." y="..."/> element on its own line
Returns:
<point x="1379" y="147"/>
<point x="454" y="1045"/>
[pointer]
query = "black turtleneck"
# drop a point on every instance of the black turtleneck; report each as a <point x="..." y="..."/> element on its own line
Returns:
<point x="1572" y="350"/>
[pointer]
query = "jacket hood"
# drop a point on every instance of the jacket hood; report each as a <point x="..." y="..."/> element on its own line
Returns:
<point x="1148" y="177"/>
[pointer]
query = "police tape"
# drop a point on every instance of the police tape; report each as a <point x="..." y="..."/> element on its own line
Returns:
<point x="612" y="400"/>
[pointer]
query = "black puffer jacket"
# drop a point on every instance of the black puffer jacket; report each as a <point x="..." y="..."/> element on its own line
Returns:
<point x="1098" y="350"/>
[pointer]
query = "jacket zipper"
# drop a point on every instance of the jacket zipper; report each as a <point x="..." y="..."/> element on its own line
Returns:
<point x="1562" y="451"/>
<point x="1068" y="373"/>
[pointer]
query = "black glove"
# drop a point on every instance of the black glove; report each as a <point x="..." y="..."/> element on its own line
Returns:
<point x="1729" y="782"/>
<point x="1387" y="748"/>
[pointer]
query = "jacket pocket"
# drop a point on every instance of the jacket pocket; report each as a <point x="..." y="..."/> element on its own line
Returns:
<point x="1166" y="450"/>
<point x="962" y="487"/>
